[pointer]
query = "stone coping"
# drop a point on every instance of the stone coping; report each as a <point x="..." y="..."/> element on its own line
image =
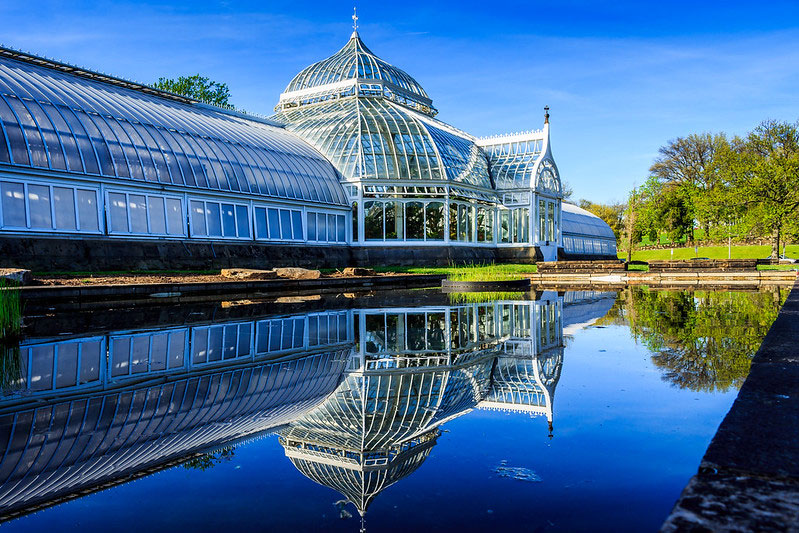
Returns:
<point x="748" y="479"/>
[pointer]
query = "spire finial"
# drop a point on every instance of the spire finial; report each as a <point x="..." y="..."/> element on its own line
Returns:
<point x="355" y="19"/>
<point x="546" y="114"/>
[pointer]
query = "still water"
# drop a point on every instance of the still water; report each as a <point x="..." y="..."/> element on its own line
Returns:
<point x="418" y="411"/>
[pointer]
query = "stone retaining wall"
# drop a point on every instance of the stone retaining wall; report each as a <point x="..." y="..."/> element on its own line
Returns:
<point x="748" y="479"/>
<point x="45" y="254"/>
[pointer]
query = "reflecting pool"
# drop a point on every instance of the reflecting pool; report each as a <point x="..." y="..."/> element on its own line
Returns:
<point x="417" y="411"/>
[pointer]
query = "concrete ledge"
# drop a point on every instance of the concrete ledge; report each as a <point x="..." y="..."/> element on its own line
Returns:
<point x="749" y="477"/>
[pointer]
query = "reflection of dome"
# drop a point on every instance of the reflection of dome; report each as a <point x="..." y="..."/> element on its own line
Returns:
<point x="360" y="477"/>
<point x="354" y="61"/>
<point x="525" y="384"/>
<point x="379" y="426"/>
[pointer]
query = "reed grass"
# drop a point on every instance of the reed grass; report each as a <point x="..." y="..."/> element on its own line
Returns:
<point x="10" y="311"/>
<point x="456" y="298"/>
<point x="485" y="272"/>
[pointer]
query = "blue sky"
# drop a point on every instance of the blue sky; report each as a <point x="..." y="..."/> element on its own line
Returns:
<point x="621" y="78"/>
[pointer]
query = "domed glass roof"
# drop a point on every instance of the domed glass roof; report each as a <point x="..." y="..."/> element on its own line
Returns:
<point x="354" y="61"/>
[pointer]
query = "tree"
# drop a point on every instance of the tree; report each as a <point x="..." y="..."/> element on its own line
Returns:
<point x="763" y="171"/>
<point x="197" y="87"/>
<point x="685" y="167"/>
<point x="612" y="214"/>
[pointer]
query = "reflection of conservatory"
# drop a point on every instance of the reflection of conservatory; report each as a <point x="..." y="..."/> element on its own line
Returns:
<point x="411" y="371"/>
<point x="357" y="396"/>
<point x="354" y="158"/>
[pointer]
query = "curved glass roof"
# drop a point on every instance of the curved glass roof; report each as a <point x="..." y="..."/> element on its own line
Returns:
<point x="54" y="120"/>
<point x="354" y="61"/>
<point x="377" y="139"/>
<point x="578" y="221"/>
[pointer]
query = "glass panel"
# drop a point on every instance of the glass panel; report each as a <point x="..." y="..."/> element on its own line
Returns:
<point x="296" y="222"/>
<point x="285" y="224"/>
<point x="120" y="356"/>
<point x="453" y="222"/>
<point x="158" y="351"/>
<point x="242" y="221"/>
<point x="525" y="225"/>
<point x="331" y="228"/>
<point x="341" y="228"/>
<point x="67" y="367"/>
<point x="215" y="337"/>
<point x="174" y="216"/>
<point x="463" y="222"/>
<point x="177" y="347"/>
<point x="139" y="354"/>
<point x="156" y="206"/>
<point x="213" y="218"/>
<point x="118" y="212"/>
<point x="42" y="367"/>
<point x="321" y="227"/>
<point x="90" y="361"/>
<point x="87" y="210"/>
<point x="200" y="351"/>
<point x="414" y="220"/>
<point x="434" y="220"/>
<point x="19" y="149"/>
<point x="274" y="223"/>
<point x="137" y="206"/>
<point x="39" y="204"/>
<point x="311" y="219"/>
<point x="228" y="220"/>
<point x="198" y="218"/>
<point x="504" y="226"/>
<point x="64" y="207"/>
<point x="394" y="216"/>
<point x="551" y="221"/>
<point x="260" y="223"/>
<point x="373" y="220"/>
<point x="355" y="221"/>
<point x="542" y="220"/>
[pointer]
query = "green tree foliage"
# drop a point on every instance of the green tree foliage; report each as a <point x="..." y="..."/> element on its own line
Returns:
<point x="763" y="175"/>
<point x="612" y="214"/>
<point x="732" y="188"/>
<point x="702" y="341"/>
<point x="205" y="461"/>
<point x="197" y="87"/>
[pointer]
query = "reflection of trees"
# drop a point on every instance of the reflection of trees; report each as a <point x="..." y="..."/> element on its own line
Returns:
<point x="702" y="340"/>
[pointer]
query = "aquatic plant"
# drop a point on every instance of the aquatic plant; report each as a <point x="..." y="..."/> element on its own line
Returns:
<point x="485" y="272"/>
<point x="10" y="366"/>
<point x="10" y="311"/>
<point x="456" y="298"/>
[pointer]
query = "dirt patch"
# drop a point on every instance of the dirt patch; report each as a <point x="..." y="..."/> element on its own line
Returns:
<point x="144" y="279"/>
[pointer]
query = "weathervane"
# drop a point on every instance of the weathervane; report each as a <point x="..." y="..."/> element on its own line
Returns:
<point x="355" y="19"/>
<point x="546" y="114"/>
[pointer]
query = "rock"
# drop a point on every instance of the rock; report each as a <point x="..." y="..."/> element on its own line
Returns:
<point x="358" y="271"/>
<point x="248" y="274"/>
<point x="16" y="275"/>
<point x="297" y="273"/>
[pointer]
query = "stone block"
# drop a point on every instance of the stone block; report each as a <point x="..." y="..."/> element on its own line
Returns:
<point x="358" y="271"/>
<point x="248" y="274"/>
<point x="16" y="275"/>
<point x="297" y="273"/>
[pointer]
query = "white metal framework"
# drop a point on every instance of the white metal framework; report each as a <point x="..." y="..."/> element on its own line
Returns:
<point x="353" y="156"/>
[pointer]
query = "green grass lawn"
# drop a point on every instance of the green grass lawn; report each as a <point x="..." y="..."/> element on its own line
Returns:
<point x="713" y="252"/>
<point x="490" y="272"/>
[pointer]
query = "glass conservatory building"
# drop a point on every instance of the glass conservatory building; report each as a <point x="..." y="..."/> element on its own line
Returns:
<point x="353" y="160"/>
